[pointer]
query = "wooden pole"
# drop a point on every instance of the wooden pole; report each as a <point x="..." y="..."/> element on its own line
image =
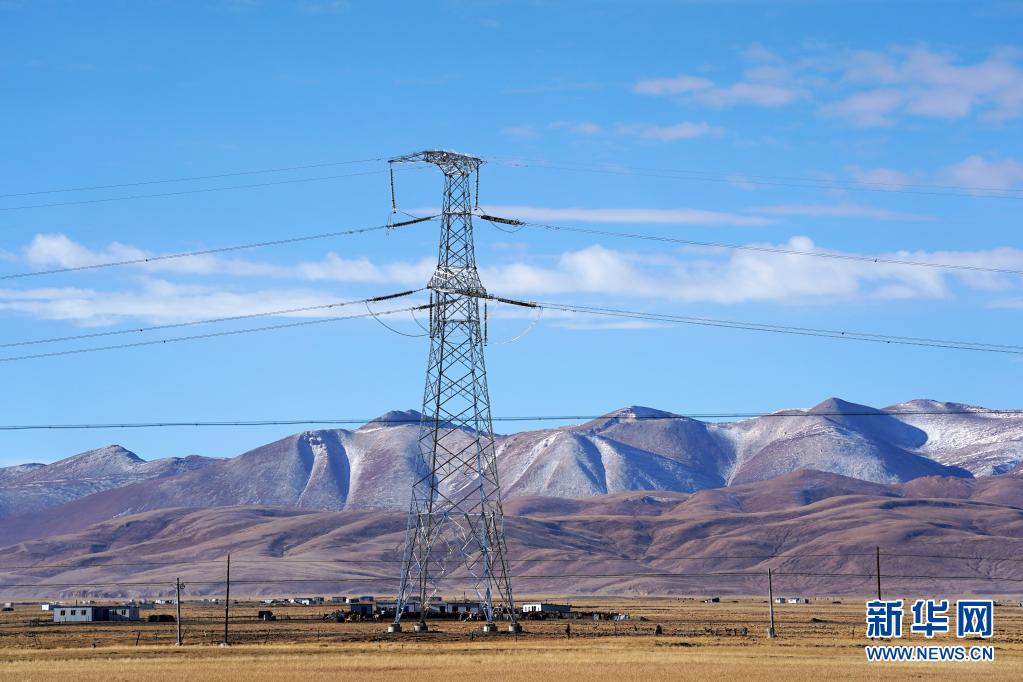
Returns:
<point x="227" y="599"/>
<point x="878" y="556"/>
<point x="177" y="603"/>
<point x="770" y="601"/>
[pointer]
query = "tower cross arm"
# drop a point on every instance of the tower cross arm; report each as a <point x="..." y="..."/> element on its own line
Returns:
<point x="452" y="163"/>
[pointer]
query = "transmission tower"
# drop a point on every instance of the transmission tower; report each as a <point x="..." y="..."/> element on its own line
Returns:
<point x="455" y="522"/>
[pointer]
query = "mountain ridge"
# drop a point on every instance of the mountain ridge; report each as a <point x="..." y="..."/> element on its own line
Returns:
<point x="630" y="449"/>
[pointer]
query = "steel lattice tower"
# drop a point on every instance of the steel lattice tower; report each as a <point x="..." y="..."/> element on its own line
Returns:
<point x="455" y="522"/>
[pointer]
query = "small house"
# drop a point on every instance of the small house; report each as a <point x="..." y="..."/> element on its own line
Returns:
<point x="545" y="607"/>
<point x="76" y="614"/>
<point x="470" y="608"/>
<point x="360" y="609"/>
<point x="306" y="601"/>
<point x="126" y="612"/>
<point x="93" y="614"/>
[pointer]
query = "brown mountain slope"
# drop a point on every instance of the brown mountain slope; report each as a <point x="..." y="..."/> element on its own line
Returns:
<point x="638" y="543"/>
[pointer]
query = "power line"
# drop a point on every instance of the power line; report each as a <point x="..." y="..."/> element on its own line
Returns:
<point x="193" y="323"/>
<point x="774" y="181"/>
<point x="773" y="328"/>
<point x="517" y="162"/>
<point x="222" y="249"/>
<point x="284" y="169"/>
<point x="209" y="335"/>
<point x="761" y="249"/>
<point x="524" y="418"/>
<point x="190" y="191"/>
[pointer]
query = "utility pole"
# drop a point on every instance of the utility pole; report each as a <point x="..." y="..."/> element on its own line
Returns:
<point x="456" y="521"/>
<point x="227" y="600"/>
<point x="770" y="600"/>
<point x="878" y="557"/>
<point x="177" y="604"/>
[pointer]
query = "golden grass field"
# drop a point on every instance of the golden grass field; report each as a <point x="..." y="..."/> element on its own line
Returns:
<point x="817" y="641"/>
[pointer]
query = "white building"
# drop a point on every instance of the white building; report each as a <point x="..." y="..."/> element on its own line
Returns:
<point x="306" y="601"/>
<point x="92" y="614"/>
<point x="545" y="607"/>
<point x="73" y="614"/>
<point x="465" y="607"/>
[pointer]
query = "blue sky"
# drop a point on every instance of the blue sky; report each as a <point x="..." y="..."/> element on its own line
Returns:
<point x="787" y="123"/>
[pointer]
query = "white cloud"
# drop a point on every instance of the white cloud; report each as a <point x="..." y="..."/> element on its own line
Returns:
<point x="869" y="108"/>
<point x="362" y="270"/>
<point x="1010" y="303"/>
<point x="979" y="173"/>
<point x="678" y="216"/>
<point x="524" y="132"/>
<point x="760" y="94"/>
<point x="866" y="88"/>
<point x="747" y="276"/>
<point x="686" y="130"/>
<point x="58" y="251"/>
<point x="586" y="128"/>
<point x="880" y="178"/>
<point x="701" y="275"/>
<point x="758" y="53"/>
<point x="767" y="82"/>
<point x="839" y="211"/>
<point x="975" y="174"/>
<point x="578" y="127"/>
<point x="919" y="82"/>
<point x="54" y="250"/>
<point x="762" y="86"/>
<point x="672" y="86"/>
<point x="157" y="302"/>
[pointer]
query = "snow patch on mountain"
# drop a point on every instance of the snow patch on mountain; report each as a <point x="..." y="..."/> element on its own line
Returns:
<point x="634" y="448"/>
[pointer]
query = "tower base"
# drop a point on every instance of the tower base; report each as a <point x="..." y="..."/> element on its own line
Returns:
<point x="515" y="628"/>
<point x="394" y="627"/>
<point x="421" y="626"/>
<point x="490" y="627"/>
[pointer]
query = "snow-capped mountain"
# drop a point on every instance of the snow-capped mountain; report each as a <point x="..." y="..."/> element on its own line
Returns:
<point x="30" y="487"/>
<point x="632" y="449"/>
<point x="983" y="444"/>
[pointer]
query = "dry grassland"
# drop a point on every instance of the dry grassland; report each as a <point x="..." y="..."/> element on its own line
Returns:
<point x="817" y="641"/>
